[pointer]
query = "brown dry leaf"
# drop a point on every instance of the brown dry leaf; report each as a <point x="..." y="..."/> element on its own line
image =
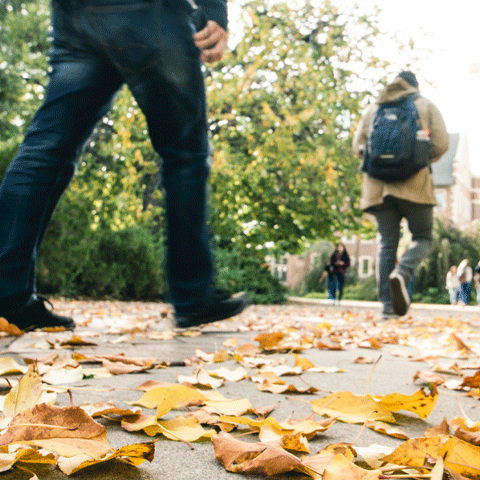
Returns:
<point x="60" y="376"/>
<point x="350" y="408"/>
<point x="273" y="388"/>
<point x="442" y="429"/>
<point x="200" y="378"/>
<point x="344" y="468"/>
<point x="120" y="368"/>
<point x="461" y="457"/>
<point x="108" y="408"/>
<point x="429" y="377"/>
<point x="467" y="431"/>
<point x="459" y="344"/>
<point x="228" y="407"/>
<point x="9" y="328"/>
<point x="139" y="361"/>
<point x="135" y="424"/>
<point x="25" y="455"/>
<point x="413" y="453"/>
<point x="371" y="343"/>
<point x="303" y="363"/>
<point x="252" y="458"/>
<point x="181" y="429"/>
<point x="308" y="426"/>
<point x="236" y="375"/>
<point x="420" y="402"/>
<point x="9" y="366"/>
<point x="283" y="370"/>
<point x="290" y="441"/>
<point x="471" y="382"/>
<point x="67" y="431"/>
<point x="77" y="341"/>
<point x="247" y="350"/>
<point x="168" y="398"/>
<point x="328" y="346"/>
<point x="267" y="377"/>
<point x="315" y="465"/>
<point x="269" y="341"/>
<point x="132" y="454"/>
<point x="24" y="395"/>
<point x="231" y="342"/>
<point x="364" y="360"/>
<point x="149" y="384"/>
<point x="262" y="412"/>
<point x="387" y="429"/>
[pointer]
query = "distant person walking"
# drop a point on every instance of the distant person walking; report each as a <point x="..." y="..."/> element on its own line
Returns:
<point x="398" y="137"/>
<point x="465" y="275"/>
<point x="337" y="267"/>
<point x="452" y="284"/>
<point x="477" y="282"/>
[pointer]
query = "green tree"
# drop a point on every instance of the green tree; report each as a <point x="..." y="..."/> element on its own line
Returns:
<point x="283" y="107"/>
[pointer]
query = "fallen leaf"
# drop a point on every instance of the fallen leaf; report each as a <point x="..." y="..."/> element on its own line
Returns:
<point x="9" y="366"/>
<point x="77" y="341"/>
<point x="351" y="408"/>
<point x="429" y="377"/>
<point x="387" y="429"/>
<point x="25" y="394"/>
<point x="252" y="458"/>
<point x="134" y="455"/>
<point x="200" y="378"/>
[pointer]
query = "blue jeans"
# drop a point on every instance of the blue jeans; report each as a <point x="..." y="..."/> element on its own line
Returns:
<point x="99" y="45"/>
<point x="465" y="291"/>
<point x="420" y="223"/>
<point x="335" y="284"/>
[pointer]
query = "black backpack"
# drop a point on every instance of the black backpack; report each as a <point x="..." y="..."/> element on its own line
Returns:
<point x="397" y="147"/>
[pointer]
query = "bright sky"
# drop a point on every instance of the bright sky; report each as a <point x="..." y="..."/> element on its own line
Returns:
<point x="454" y="66"/>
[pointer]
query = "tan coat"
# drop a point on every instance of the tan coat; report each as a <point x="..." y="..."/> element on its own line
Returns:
<point x="419" y="188"/>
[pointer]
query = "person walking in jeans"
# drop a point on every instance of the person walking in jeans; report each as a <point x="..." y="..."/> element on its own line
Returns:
<point x="339" y="263"/>
<point x="412" y="199"/>
<point x="98" y="46"/>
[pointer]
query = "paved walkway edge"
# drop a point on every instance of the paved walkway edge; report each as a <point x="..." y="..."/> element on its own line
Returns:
<point x="377" y="305"/>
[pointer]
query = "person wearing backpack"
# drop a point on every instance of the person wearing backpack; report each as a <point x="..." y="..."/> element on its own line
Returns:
<point x="398" y="137"/>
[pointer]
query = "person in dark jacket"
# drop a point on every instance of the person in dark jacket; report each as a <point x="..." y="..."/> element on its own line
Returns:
<point x="98" y="46"/>
<point x="338" y="265"/>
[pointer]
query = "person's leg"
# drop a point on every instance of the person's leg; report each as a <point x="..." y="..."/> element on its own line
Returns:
<point x="420" y="224"/>
<point x="79" y="92"/>
<point x="162" y="67"/>
<point x="341" y="283"/>
<point x="331" y="286"/>
<point x="453" y="295"/>
<point x="468" y="291"/>
<point x="388" y="224"/>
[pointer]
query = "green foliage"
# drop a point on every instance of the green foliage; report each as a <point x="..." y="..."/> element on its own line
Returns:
<point x="283" y="107"/>
<point x="450" y="247"/>
<point x="126" y="264"/>
<point x="240" y="273"/>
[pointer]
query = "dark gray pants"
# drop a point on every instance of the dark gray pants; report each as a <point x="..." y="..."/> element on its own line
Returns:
<point x="420" y="223"/>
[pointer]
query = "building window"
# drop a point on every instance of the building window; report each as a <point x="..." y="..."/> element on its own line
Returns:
<point x="365" y="266"/>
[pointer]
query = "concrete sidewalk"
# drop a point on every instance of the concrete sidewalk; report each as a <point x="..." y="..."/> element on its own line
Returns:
<point x="467" y="310"/>
<point x="106" y="324"/>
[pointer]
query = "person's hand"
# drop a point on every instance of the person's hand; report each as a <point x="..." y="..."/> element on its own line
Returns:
<point x="212" y="41"/>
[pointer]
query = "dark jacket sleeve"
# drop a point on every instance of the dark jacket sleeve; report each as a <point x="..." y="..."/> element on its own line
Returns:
<point x="215" y="10"/>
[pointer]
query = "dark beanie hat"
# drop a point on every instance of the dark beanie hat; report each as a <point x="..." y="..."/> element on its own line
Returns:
<point x="409" y="77"/>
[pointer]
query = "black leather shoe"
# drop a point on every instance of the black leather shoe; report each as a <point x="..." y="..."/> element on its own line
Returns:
<point x="35" y="315"/>
<point x="217" y="307"/>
